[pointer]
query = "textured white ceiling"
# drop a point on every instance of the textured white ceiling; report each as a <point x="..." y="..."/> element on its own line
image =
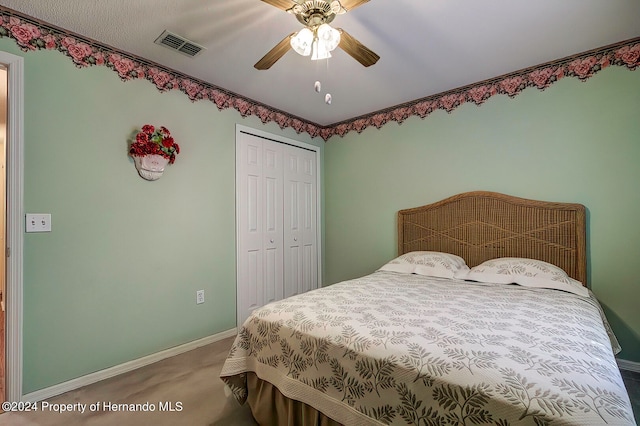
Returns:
<point x="426" y="46"/>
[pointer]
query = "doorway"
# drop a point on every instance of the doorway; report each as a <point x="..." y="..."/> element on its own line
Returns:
<point x="3" y="242"/>
<point x="13" y="226"/>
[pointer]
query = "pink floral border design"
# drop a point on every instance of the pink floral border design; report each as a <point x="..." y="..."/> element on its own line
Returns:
<point x="31" y="34"/>
<point x="582" y="66"/>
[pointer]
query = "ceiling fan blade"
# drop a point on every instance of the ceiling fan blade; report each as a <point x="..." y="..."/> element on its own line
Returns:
<point x="274" y="54"/>
<point x="280" y="4"/>
<point x="357" y="50"/>
<point x="351" y="4"/>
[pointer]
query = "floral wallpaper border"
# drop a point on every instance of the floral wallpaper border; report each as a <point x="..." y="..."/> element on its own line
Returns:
<point x="31" y="34"/>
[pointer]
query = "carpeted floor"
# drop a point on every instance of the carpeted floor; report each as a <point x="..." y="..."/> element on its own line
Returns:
<point x="190" y="379"/>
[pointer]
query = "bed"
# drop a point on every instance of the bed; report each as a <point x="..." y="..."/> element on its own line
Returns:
<point x="483" y="318"/>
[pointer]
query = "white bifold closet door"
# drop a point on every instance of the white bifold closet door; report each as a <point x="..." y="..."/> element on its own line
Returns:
<point x="276" y="221"/>
<point x="300" y="245"/>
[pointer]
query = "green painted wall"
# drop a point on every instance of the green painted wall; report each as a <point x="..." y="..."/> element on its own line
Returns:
<point x="116" y="278"/>
<point x="575" y="142"/>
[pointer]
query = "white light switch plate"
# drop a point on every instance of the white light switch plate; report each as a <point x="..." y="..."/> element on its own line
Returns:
<point x="38" y="222"/>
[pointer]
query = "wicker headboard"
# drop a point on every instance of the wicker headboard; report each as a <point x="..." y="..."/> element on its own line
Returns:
<point x="480" y="225"/>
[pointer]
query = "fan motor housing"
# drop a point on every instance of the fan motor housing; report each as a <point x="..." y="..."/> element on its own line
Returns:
<point x="314" y="13"/>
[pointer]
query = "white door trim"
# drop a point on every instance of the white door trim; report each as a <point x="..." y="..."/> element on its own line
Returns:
<point x="281" y="139"/>
<point x="15" y="220"/>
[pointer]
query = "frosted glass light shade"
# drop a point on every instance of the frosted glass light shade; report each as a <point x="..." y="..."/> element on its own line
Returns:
<point x="302" y="41"/>
<point x="319" y="50"/>
<point x="329" y="36"/>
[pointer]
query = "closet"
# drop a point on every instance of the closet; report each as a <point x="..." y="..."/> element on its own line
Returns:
<point x="276" y="219"/>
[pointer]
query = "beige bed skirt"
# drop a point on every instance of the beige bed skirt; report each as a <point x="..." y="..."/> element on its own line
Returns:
<point x="272" y="408"/>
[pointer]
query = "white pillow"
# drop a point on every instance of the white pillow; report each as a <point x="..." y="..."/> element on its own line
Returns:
<point x="526" y="272"/>
<point x="430" y="263"/>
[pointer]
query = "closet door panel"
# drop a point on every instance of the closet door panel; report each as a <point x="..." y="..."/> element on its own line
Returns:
<point x="272" y="239"/>
<point x="250" y="227"/>
<point x="309" y="231"/>
<point x="292" y="231"/>
<point x="253" y="281"/>
<point x="299" y="221"/>
<point x="291" y="239"/>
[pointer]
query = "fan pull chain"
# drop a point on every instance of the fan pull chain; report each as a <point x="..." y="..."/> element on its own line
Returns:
<point x="317" y="86"/>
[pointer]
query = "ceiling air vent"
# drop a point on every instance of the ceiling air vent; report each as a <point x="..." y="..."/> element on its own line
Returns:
<point x="179" y="44"/>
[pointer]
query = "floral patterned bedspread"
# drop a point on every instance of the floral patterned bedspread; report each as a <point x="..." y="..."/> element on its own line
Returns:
<point x="393" y="348"/>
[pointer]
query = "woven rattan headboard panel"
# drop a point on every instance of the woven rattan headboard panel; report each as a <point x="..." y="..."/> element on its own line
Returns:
<point x="481" y="225"/>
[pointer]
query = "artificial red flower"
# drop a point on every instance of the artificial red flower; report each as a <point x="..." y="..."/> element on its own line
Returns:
<point x="148" y="129"/>
<point x="167" y="142"/>
<point x="150" y="141"/>
<point x="142" y="137"/>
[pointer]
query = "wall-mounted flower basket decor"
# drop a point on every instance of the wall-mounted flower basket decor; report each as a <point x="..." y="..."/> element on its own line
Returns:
<point x="152" y="150"/>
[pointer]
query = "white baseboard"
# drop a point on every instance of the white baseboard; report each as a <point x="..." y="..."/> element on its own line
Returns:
<point x="79" y="382"/>
<point x="629" y="365"/>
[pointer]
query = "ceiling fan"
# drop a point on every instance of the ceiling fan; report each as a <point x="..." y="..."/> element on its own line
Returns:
<point x="317" y="38"/>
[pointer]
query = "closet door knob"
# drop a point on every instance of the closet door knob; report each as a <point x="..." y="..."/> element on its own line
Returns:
<point x="271" y="241"/>
<point x="295" y="239"/>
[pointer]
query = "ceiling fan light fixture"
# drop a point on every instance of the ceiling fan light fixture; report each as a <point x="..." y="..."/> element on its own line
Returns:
<point x="317" y="39"/>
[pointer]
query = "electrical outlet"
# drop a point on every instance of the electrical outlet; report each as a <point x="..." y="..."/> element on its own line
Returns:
<point x="38" y="222"/>
<point x="199" y="297"/>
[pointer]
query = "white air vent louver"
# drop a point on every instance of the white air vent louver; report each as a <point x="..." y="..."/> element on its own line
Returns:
<point x="179" y="44"/>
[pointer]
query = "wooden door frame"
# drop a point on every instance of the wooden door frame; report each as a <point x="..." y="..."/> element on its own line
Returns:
<point x="14" y="224"/>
